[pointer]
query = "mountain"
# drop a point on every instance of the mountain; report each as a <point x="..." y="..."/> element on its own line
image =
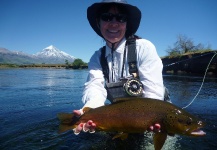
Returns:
<point x="52" y="55"/>
<point x="15" y="57"/>
<point x="49" y="55"/>
<point x="4" y="51"/>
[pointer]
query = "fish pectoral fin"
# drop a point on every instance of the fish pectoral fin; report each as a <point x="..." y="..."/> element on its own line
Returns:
<point x="122" y="136"/>
<point x="159" y="140"/>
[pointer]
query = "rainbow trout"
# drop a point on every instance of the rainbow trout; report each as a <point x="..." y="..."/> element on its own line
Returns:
<point x="136" y="115"/>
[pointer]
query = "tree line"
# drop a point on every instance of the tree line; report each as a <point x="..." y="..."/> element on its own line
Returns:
<point x="185" y="45"/>
<point x="77" y="64"/>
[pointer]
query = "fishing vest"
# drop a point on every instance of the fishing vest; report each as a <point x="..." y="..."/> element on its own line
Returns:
<point x="115" y="90"/>
<point x="131" y="58"/>
<point x="126" y="87"/>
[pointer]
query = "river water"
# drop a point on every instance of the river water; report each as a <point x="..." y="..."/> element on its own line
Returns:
<point x="31" y="98"/>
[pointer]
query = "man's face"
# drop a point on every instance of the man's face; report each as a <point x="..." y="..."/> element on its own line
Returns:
<point x="113" y="30"/>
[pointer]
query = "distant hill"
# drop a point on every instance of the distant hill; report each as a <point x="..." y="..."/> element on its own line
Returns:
<point x="49" y="55"/>
<point x="16" y="57"/>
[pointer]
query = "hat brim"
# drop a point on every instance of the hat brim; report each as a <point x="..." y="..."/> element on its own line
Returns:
<point x="133" y="18"/>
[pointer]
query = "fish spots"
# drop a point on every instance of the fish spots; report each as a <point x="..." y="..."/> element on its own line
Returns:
<point x="170" y="120"/>
<point x="167" y="110"/>
<point x="155" y="117"/>
<point x="180" y="120"/>
<point x="145" y="124"/>
<point x="121" y="108"/>
<point x="189" y="122"/>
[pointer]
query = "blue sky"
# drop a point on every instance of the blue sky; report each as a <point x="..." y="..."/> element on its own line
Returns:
<point x="32" y="25"/>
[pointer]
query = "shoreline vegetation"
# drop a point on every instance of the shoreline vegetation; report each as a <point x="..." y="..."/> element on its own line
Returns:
<point x="188" y="63"/>
<point x="191" y="63"/>
<point x="77" y="64"/>
<point x="56" y="66"/>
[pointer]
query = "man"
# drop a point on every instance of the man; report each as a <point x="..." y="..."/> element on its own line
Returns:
<point x="116" y="21"/>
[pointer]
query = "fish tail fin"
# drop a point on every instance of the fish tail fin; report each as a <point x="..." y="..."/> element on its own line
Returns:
<point x="67" y="121"/>
<point x="64" y="128"/>
<point x="65" y="117"/>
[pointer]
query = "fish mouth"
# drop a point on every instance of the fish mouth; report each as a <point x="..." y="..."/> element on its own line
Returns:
<point x="198" y="132"/>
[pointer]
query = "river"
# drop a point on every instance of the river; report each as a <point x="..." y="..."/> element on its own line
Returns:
<point x="31" y="98"/>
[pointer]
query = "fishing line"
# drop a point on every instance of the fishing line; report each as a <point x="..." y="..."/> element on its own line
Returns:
<point x="203" y="77"/>
<point x="201" y="83"/>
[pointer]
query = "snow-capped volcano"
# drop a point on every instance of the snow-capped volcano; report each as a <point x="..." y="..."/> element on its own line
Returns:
<point x="51" y="55"/>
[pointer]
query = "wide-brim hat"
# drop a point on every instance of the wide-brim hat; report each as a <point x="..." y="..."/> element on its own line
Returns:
<point x="133" y="18"/>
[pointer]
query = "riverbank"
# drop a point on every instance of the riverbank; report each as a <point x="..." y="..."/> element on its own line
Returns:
<point x="56" y="66"/>
<point x="196" y="63"/>
<point x="192" y="63"/>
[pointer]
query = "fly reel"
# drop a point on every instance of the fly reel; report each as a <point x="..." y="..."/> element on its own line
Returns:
<point x="133" y="87"/>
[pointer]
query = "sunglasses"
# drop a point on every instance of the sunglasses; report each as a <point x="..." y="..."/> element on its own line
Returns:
<point x="107" y="17"/>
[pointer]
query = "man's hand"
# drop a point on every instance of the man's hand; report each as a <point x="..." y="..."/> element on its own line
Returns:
<point x="88" y="126"/>
<point x="155" y="128"/>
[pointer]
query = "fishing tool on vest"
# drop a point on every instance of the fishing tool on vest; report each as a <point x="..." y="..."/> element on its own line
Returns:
<point x="127" y="86"/>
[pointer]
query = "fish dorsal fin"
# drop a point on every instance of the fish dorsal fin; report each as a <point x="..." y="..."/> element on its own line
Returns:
<point x="159" y="140"/>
